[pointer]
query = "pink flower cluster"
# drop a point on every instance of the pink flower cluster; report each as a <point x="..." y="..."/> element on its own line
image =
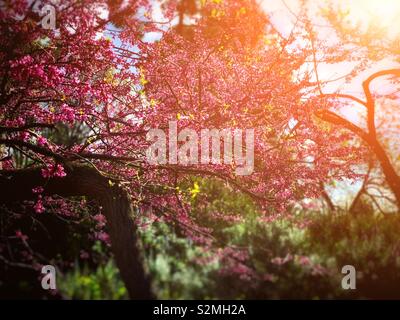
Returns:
<point x="20" y="235"/>
<point x="102" y="236"/>
<point x="100" y="220"/>
<point x="53" y="171"/>
<point x="39" y="207"/>
<point x="67" y="113"/>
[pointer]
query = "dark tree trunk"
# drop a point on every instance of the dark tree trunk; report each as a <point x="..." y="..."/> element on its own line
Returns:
<point x="326" y="197"/>
<point x="85" y="181"/>
<point x="391" y="176"/>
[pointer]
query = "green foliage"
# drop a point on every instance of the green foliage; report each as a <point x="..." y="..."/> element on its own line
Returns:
<point x="298" y="255"/>
<point x="172" y="263"/>
<point x="285" y="264"/>
<point x="85" y="282"/>
<point x="102" y="283"/>
<point x="368" y="241"/>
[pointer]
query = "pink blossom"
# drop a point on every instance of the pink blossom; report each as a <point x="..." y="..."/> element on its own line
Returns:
<point x="38" y="207"/>
<point x="51" y="171"/>
<point x="38" y="190"/>
<point x="24" y="136"/>
<point x="41" y="141"/>
<point x="303" y="260"/>
<point x="25" y="60"/>
<point x="67" y="113"/>
<point x="318" y="270"/>
<point x="102" y="236"/>
<point x="84" y="255"/>
<point x="269" y="277"/>
<point x="100" y="220"/>
<point x="280" y="261"/>
<point x="20" y="235"/>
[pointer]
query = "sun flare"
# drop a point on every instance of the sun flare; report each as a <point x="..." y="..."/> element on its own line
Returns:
<point x="382" y="13"/>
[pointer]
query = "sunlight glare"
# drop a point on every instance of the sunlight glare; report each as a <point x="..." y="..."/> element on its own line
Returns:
<point x="383" y="13"/>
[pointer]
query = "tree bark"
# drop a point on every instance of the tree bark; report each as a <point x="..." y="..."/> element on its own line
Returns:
<point x="391" y="176"/>
<point x="369" y="136"/>
<point x="85" y="181"/>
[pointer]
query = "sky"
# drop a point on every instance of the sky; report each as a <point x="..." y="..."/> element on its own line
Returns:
<point x="385" y="13"/>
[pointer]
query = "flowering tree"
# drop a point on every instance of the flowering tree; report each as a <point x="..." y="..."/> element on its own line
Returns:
<point x="94" y="74"/>
<point x="71" y="76"/>
<point x="365" y="46"/>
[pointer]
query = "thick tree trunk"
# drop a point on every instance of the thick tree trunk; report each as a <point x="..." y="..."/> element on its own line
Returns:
<point x="85" y="181"/>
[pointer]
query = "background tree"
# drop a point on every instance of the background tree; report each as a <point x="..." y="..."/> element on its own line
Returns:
<point x="366" y="44"/>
